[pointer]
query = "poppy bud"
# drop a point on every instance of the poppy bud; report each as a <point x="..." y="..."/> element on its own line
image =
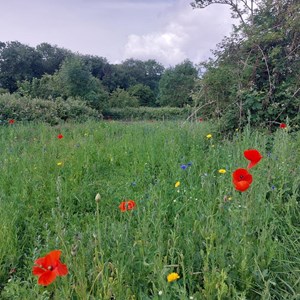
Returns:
<point x="98" y="197"/>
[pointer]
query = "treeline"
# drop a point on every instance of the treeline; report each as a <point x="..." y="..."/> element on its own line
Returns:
<point x="254" y="75"/>
<point x="51" y="72"/>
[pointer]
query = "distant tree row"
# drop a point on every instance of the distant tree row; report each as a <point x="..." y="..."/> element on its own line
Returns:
<point x="50" y="72"/>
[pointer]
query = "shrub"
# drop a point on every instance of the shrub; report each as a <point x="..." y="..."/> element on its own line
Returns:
<point x="13" y="106"/>
<point x="148" y="113"/>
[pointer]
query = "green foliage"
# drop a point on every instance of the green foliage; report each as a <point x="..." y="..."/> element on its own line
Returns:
<point x="144" y="94"/>
<point x="52" y="57"/>
<point x="52" y="112"/>
<point x="121" y="98"/>
<point x="176" y="85"/>
<point x="223" y="244"/>
<point x="18" y="62"/>
<point x="132" y="72"/>
<point x="148" y="113"/>
<point x="255" y="76"/>
<point x="73" y="79"/>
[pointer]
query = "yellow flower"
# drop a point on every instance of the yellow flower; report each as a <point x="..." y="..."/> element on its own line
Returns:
<point x="209" y="136"/>
<point x="59" y="163"/>
<point x="177" y="184"/>
<point x="222" y="171"/>
<point x="172" y="277"/>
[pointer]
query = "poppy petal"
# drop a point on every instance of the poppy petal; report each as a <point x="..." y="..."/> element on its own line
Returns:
<point x="47" y="278"/>
<point x="242" y="186"/>
<point x="122" y="206"/>
<point x="61" y="269"/>
<point x="241" y="175"/>
<point x="254" y="156"/>
<point x="52" y="258"/>
<point x="38" y="271"/>
<point x="130" y="204"/>
<point x="40" y="262"/>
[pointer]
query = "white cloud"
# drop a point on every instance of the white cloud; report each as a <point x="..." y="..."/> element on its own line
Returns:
<point x="187" y="33"/>
<point x="163" y="46"/>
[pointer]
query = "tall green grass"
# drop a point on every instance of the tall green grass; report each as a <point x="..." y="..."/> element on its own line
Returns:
<point x="223" y="244"/>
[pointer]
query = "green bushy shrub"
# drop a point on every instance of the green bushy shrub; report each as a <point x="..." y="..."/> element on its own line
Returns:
<point x="148" y="113"/>
<point x="13" y="106"/>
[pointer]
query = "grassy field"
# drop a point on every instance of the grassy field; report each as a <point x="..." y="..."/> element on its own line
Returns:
<point x="223" y="244"/>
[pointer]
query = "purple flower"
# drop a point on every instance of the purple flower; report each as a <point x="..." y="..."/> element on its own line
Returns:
<point x="183" y="167"/>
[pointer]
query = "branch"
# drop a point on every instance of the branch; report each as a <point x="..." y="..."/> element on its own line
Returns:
<point x="194" y="112"/>
<point x="268" y="70"/>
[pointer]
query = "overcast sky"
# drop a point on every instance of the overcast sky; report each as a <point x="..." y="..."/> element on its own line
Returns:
<point x="166" y="30"/>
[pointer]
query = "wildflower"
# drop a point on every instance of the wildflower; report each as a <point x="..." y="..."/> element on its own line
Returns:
<point x="177" y="184"/>
<point x="59" y="163"/>
<point x="200" y="120"/>
<point x="241" y="179"/>
<point x="222" y="171"/>
<point x="11" y="121"/>
<point x="160" y="293"/>
<point x="172" y="277"/>
<point x="60" y="136"/>
<point x="98" y="197"/>
<point x="127" y="205"/>
<point x="48" y="267"/>
<point x="209" y="136"/>
<point x="282" y="125"/>
<point x="254" y="156"/>
<point x="189" y="164"/>
<point x="183" y="167"/>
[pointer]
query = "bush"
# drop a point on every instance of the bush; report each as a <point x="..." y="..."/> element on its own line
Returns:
<point x="148" y="113"/>
<point x="13" y="106"/>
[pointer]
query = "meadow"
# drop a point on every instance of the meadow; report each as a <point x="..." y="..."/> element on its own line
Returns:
<point x="188" y="219"/>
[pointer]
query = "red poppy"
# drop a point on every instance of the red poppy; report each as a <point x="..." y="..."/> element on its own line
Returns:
<point x="11" y="121"/>
<point x="48" y="267"/>
<point x="127" y="205"/>
<point x="200" y="120"/>
<point x="60" y="136"/>
<point x="282" y="125"/>
<point x="241" y="179"/>
<point x="242" y="186"/>
<point x="254" y="156"/>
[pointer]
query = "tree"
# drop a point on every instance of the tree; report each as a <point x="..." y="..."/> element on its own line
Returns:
<point x="75" y="77"/>
<point x="121" y="99"/>
<point x="144" y="94"/>
<point x="241" y="9"/>
<point x="257" y="73"/>
<point x="176" y="84"/>
<point x="18" y="62"/>
<point x="98" y="66"/>
<point x="52" y="57"/>
<point x="132" y="72"/>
